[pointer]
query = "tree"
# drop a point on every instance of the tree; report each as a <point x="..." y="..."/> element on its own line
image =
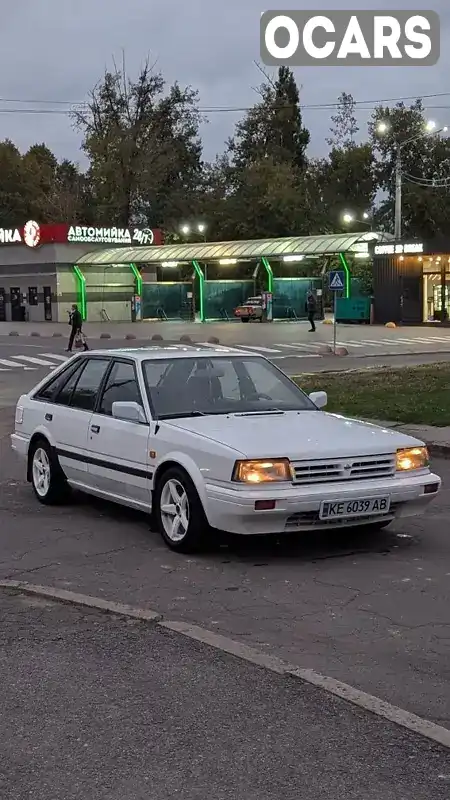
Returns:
<point x="345" y="126"/>
<point x="425" y="170"/>
<point x="273" y="128"/>
<point x="143" y="146"/>
<point x="349" y="183"/>
<point x="270" y="201"/>
<point x="13" y="192"/>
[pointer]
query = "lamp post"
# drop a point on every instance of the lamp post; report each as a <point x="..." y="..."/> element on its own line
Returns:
<point x="382" y="128"/>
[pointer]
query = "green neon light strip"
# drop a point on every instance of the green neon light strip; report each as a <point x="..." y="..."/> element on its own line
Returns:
<point x="138" y="278"/>
<point x="269" y="271"/>
<point x="81" y="288"/>
<point x="201" y="281"/>
<point x="347" y="274"/>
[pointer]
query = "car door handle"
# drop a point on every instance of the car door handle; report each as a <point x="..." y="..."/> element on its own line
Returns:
<point x="95" y="428"/>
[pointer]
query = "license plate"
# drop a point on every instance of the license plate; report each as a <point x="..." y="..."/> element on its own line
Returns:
<point x="344" y="509"/>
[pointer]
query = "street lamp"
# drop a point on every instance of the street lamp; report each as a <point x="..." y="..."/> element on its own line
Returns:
<point x="349" y="218"/>
<point x="383" y="127"/>
<point x="200" y="227"/>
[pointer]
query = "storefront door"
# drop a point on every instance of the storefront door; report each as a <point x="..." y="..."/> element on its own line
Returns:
<point x="2" y="305"/>
<point x="47" y="303"/>
<point x="411" y="299"/>
<point x="17" y="310"/>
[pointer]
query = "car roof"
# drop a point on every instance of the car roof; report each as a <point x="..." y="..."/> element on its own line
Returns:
<point x="176" y="350"/>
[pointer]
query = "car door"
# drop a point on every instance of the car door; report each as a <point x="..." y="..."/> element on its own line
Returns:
<point x="71" y="414"/>
<point x="119" y="449"/>
<point x="49" y="412"/>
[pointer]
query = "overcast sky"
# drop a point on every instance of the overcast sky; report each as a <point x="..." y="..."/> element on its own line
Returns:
<point x="57" y="50"/>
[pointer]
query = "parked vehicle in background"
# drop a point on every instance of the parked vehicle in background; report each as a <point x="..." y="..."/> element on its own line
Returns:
<point x="252" y="309"/>
<point x="207" y="439"/>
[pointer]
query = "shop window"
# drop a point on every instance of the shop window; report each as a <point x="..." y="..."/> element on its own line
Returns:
<point x="32" y="296"/>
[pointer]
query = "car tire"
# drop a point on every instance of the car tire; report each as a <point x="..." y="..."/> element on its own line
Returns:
<point x="47" y="478"/>
<point x="184" y="527"/>
<point x="244" y="319"/>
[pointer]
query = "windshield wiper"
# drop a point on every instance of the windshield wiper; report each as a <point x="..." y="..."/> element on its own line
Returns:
<point x="184" y="414"/>
<point x="262" y="411"/>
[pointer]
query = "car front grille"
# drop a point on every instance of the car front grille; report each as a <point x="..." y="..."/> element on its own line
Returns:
<point x="343" y="469"/>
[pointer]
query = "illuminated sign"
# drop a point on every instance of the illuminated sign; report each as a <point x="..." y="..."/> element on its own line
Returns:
<point x="10" y="236"/>
<point x="398" y="249"/>
<point x="32" y="234"/>
<point x="90" y="235"/>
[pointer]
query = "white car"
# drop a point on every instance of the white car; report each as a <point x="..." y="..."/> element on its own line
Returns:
<point x="213" y="438"/>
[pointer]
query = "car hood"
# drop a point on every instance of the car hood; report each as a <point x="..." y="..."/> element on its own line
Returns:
<point x="296" y="435"/>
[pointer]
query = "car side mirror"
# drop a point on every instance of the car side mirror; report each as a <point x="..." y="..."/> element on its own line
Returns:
<point x="130" y="412"/>
<point x="320" y="399"/>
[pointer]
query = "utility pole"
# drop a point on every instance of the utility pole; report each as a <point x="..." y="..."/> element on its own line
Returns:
<point x="398" y="194"/>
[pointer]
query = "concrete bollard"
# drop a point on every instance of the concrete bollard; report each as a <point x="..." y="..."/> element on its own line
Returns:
<point x="57" y="335"/>
<point x="325" y="349"/>
<point x="390" y="325"/>
<point x="341" y="351"/>
<point x="213" y="340"/>
<point x="13" y="333"/>
<point x="105" y="336"/>
<point x="327" y="322"/>
<point x="130" y="336"/>
<point x="157" y="337"/>
<point x="186" y="339"/>
<point x="35" y="333"/>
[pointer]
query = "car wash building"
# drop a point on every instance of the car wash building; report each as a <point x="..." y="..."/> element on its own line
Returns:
<point x="40" y="279"/>
<point x="411" y="281"/>
<point x="209" y="280"/>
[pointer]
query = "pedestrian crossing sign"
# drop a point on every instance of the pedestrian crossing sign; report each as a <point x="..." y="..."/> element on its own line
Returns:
<point x="336" y="280"/>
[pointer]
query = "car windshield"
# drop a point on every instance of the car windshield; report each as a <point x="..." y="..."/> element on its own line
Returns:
<point x="188" y="387"/>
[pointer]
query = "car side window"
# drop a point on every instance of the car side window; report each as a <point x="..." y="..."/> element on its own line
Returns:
<point x="65" y="393"/>
<point x="52" y="388"/>
<point x="88" y="385"/>
<point x="121" y="386"/>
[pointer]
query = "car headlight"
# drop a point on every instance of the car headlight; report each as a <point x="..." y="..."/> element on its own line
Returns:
<point x="410" y="458"/>
<point x="264" y="471"/>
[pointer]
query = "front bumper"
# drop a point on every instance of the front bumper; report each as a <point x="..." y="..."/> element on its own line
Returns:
<point x="297" y="507"/>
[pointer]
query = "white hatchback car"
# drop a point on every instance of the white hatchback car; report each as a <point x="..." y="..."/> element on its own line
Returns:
<point x="213" y="439"/>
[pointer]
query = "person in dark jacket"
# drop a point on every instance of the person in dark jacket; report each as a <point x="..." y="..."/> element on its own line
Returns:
<point x="311" y="307"/>
<point x="76" y="323"/>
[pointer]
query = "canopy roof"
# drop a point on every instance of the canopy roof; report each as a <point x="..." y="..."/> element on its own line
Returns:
<point x="251" y="249"/>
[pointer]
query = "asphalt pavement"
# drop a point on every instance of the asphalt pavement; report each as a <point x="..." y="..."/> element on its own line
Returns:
<point x="94" y="706"/>
<point x="370" y="610"/>
<point x="26" y="360"/>
<point x="278" y="341"/>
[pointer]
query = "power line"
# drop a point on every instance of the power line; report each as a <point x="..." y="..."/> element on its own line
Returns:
<point x="364" y="105"/>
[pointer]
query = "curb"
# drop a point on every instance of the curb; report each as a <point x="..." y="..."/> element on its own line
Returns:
<point x="83" y="600"/>
<point x="224" y="644"/>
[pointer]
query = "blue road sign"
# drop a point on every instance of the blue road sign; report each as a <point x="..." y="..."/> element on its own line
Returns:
<point x="336" y="280"/>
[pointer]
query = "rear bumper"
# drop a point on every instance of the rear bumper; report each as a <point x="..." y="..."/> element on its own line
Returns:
<point x="20" y="444"/>
<point x="297" y="508"/>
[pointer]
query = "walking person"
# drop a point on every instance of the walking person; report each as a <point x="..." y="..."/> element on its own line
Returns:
<point x="76" y="323"/>
<point x="311" y="307"/>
